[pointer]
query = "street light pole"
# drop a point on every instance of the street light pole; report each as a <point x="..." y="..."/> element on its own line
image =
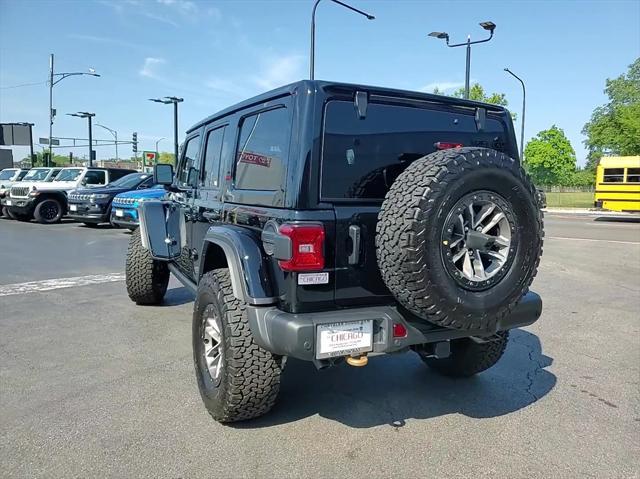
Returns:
<point x="490" y="27"/>
<point x="157" y="152"/>
<point x="175" y="100"/>
<point x="524" y="103"/>
<point x="50" y="159"/>
<point x="312" y="54"/>
<point x="52" y="83"/>
<point x="115" y="136"/>
<point x="86" y="114"/>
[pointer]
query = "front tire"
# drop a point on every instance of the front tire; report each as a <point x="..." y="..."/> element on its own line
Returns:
<point x="146" y="278"/>
<point x="470" y="357"/>
<point x="48" y="211"/>
<point x="237" y="379"/>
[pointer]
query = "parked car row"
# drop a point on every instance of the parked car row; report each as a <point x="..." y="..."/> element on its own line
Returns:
<point x="89" y="195"/>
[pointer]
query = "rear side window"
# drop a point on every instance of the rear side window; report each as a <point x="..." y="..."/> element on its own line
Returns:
<point x="362" y="157"/>
<point x="263" y="150"/>
<point x="212" y="155"/>
<point x="613" y="175"/>
<point x="95" y="177"/>
<point x="633" y="175"/>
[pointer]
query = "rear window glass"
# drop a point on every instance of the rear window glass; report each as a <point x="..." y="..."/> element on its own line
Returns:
<point x="263" y="150"/>
<point x="613" y="175"/>
<point x="362" y="157"/>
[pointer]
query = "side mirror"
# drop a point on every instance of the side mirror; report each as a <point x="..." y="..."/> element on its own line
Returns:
<point x="192" y="178"/>
<point x="163" y="174"/>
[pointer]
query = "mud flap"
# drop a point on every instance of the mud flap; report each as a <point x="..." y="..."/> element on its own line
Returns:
<point x="162" y="228"/>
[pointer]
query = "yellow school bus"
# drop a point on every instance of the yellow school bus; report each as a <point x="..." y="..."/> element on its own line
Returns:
<point x="618" y="183"/>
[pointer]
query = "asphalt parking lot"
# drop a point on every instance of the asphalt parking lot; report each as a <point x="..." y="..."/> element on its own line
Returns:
<point x="91" y="385"/>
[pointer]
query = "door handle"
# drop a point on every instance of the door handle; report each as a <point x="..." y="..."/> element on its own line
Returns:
<point x="211" y="216"/>
<point x="354" y="234"/>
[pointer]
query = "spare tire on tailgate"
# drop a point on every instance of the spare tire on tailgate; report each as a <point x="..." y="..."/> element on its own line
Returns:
<point x="459" y="237"/>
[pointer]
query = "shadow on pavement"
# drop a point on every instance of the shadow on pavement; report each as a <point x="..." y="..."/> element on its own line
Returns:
<point x="618" y="219"/>
<point x="178" y="296"/>
<point x="393" y="389"/>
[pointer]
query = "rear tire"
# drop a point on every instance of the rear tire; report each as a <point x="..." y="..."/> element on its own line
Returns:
<point x="468" y="357"/>
<point x="48" y="211"/>
<point x="237" y="379"/>
<point x="147" y="279"/>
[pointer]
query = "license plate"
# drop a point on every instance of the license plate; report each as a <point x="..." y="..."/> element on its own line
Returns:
<point x="342" y="339"/>
<point x="119" y="213"/>
<point x="8" y="202"/>
<point x="73" y="208"/>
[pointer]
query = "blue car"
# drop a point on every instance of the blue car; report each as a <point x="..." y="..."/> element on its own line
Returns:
<point x="124" y="208"/>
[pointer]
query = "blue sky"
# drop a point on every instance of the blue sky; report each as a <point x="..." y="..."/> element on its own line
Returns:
<point x="215" y="53"/>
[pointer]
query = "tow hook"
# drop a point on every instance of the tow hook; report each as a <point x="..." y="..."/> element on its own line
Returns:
<point x="358" y="361"/>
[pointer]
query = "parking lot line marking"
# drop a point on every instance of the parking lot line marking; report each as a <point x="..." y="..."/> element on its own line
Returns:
<point x="58" y="283"/>
<point x="591" y="239"/>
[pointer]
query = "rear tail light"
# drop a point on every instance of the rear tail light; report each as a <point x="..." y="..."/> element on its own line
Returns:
<point x="399" y="331"/>
<point x="307" y="247"/>
<point x="443" y="145"/>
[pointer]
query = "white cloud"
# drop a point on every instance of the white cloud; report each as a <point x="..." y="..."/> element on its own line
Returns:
<point x="441" y="86"/>
<point x="226" y="86"/>
<point x="149" y="69"/>
<point x="279" y="71"/>
<point x="186" y="7"/>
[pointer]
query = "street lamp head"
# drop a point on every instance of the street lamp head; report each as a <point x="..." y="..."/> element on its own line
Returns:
<point x="157" y="100"/>
<point x="440" y="35"/>
<point x="173" y="99"/>
<point x="489" y="26"/>
<point x="370" y="17"/>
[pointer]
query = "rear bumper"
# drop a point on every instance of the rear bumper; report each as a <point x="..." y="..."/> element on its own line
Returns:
<point x="289" y="334"/>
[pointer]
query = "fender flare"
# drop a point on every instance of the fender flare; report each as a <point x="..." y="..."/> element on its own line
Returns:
<point x="248" y="268"/>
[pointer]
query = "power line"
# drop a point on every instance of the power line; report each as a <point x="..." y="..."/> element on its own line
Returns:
<point x="23" y="84"/>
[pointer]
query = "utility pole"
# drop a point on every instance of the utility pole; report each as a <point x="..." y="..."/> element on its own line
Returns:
<point x="50" y="159"/>
<point x="52" y="83"/>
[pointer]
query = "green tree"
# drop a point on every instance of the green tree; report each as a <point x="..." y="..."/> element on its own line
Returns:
<point x="477" y="93"/>
<point x="166" y="157"/>
<point x="614" y="128"/>
<point x="550" y="159"/>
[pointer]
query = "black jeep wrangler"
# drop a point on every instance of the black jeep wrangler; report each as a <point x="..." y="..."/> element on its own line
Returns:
<point x="330" y="222"/>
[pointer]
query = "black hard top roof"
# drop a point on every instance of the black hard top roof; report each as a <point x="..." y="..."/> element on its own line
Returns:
<point x="329" y="86"/>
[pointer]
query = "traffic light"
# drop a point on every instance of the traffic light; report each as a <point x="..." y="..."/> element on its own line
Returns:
<point x="134" y="140"/>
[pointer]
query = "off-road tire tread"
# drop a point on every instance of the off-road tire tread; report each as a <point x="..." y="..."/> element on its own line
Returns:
<point x="251" y="374"/>
<point x="469" y="357"/>
<point x="146" y="279"/>
<point x="400" y="233"/>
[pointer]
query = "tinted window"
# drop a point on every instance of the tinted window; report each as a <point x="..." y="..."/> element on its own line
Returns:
<point x="613" y="175"/>
<point x="190" y="160"/>
<point x="95" y="177"/>
<point x="22" y="175"/>
<point x="633" y="175"/>
<point x="263" y="150"/>
<point x="362" y="157"/>
<point x="129" y="181"/>
<point x="212" y="157"/>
